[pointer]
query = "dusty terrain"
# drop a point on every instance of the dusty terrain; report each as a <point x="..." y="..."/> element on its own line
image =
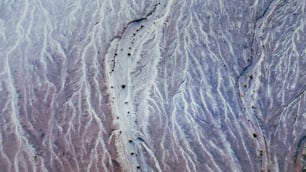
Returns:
<point x="152" y="86"/>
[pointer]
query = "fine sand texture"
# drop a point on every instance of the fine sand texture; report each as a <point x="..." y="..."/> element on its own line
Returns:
<point x="152" y="86"/>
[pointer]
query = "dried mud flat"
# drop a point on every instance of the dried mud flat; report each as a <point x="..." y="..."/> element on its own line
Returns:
<point x="147" y="85"/>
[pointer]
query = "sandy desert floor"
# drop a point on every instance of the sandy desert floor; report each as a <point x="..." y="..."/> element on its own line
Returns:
<point x="152" y="85"/>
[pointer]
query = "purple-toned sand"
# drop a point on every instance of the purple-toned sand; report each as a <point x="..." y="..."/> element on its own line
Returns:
<point x="152" y="86"/>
